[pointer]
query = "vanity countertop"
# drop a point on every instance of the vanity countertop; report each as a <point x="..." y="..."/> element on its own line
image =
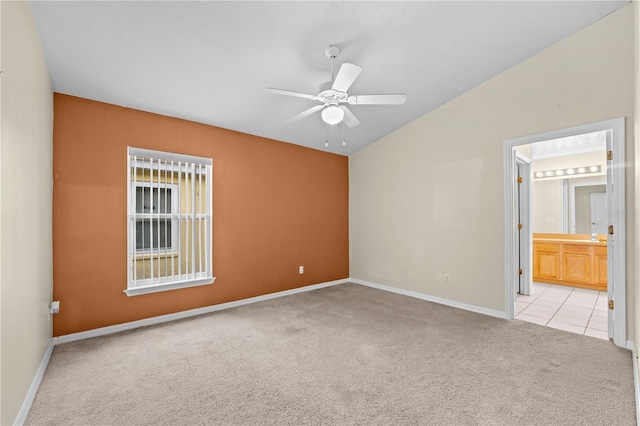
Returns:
<point x="570" y="241"/>
<point x="570" y="238"/>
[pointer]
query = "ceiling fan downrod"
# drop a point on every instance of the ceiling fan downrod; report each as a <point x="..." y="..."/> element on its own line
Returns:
<point x="331" y="53"/>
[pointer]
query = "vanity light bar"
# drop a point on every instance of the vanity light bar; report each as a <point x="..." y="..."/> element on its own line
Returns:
<point x="567" y="172"/>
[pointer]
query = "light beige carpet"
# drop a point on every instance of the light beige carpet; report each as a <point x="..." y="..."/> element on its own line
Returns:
<point x="340" y="355"/>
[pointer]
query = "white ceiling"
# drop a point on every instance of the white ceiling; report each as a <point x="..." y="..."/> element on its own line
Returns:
<point x="210" y="62"/>
<point x="570" y="145"/>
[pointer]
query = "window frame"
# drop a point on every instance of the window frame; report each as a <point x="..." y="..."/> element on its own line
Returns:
<point x="175" y="207"/>
<point x="152" y="161"/>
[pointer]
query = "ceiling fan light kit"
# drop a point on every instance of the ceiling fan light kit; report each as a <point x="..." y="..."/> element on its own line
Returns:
<point x="332" y="114"/>
<point x="334" y="93"/>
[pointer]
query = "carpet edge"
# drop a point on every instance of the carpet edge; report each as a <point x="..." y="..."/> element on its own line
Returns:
<point x="439" y="300"/>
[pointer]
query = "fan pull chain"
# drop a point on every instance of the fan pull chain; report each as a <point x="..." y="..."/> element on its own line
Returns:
<point x="344" y="139"/>
<point x="326" y="135"/>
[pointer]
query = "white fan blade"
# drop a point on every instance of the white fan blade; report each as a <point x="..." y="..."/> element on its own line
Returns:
<point x="346" y="76"/>
<point x="377" y="99"/>
<point x="291" y="93"/>
<point x="349" y="119"/>
<point x="305" y="113"/>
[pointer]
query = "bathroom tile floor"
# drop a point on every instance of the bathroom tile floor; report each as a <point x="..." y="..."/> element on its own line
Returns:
<point x="571" y="309"/>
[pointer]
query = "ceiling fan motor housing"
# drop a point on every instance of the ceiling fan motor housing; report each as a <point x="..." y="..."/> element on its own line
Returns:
<point x="328" y="95"/>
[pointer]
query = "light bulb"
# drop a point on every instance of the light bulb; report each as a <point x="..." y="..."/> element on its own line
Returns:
<point x="594" y="169"/>
<point x="570" y="171"/>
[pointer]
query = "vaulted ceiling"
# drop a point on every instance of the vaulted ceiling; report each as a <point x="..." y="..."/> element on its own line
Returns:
<point x="210" y="62"/>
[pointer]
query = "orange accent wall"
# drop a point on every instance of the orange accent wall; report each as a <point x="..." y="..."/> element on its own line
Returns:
<point x="275" y="206"/>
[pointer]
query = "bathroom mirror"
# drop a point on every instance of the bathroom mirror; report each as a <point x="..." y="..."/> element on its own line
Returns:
<point x="569" y="206"/>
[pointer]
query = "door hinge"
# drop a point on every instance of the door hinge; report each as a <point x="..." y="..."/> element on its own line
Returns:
<point x="519" y="226"/>
<point x="519" y="179"/>
<point x="519" y="271"/>
<point x="609" y="155"/>
<point x="610" y="229"/>
<point x="611" y="304"/>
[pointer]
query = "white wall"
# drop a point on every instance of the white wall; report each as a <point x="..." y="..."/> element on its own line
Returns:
<point x="427" y="200"/>
<point x="26" y="123"/>
<point x="547" y="213"/>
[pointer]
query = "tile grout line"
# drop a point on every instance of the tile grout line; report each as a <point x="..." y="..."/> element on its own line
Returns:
<point x="593" y="309"/>
<point x="564" y="305"/>
<point x="561" y="305"/>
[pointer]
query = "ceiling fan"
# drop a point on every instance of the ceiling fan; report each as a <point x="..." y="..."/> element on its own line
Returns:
<point x="334" y="93"/>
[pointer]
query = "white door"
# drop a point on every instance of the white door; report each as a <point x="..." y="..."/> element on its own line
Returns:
<point x="523" y="233"/>
<point x="599" y="213"/>
<point x="518" y="231"/>
<point x="611" y="243"/>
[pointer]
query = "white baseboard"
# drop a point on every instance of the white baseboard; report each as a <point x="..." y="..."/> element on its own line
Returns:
<point x="96" y="332"/>
<point x="33" y="389"/>
<point x="636" y="384"/>
<point x="447" y="302"/>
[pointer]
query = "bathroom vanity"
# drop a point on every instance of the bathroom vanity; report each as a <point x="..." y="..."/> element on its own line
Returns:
<point x="570" y="259"/>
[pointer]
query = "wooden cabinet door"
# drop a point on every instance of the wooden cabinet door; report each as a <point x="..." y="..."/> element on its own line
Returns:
<point x="600" y="266"/>
<point x="546" y="264"/>
<point x="576" y="267"/>
<point x="577" y="263"/>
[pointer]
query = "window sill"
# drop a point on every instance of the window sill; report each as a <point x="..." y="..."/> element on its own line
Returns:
<point x="156" y="288"/>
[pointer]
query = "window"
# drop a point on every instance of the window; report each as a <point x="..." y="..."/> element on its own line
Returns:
<point x="169" y="221"/>
<point x="154" y="200"/>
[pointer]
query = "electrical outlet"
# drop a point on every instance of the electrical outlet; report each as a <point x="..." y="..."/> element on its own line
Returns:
<point x="301" y="269"/>
<point x="447" y="278"/>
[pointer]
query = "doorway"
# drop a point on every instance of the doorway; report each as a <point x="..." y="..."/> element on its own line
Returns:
<point x="614" y="223"/>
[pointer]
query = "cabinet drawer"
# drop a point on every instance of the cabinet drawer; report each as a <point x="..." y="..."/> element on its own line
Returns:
<point x="577" y="248"/>
<point x="548" y="247"/>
